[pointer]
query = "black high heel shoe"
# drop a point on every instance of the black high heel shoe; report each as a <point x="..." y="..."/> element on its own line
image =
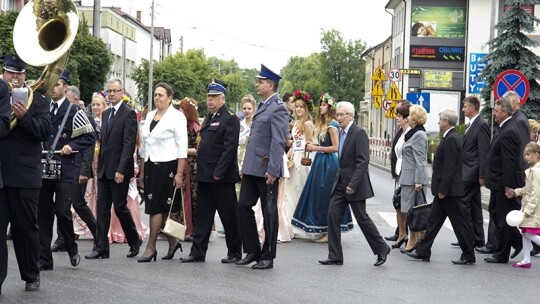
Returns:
<point x="147" y="259"/>
<point x="170" y="256"/>
<point x="403" y="250"/>
<point x="399" y="243"/>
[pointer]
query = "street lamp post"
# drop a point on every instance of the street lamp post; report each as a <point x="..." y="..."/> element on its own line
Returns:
<point x="182" y="37"/>
<point x="151" y="61"/>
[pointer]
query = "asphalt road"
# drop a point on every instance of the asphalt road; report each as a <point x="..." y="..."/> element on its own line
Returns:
<point x="297" y="277"/>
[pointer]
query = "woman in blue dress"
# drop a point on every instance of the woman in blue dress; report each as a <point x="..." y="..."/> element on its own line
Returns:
<point x="311" y="214"/>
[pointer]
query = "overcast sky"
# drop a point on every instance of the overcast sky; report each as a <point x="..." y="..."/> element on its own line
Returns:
<point x="268" y="32"/>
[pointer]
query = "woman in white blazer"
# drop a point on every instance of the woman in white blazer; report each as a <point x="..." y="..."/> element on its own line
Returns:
<point x="413" y="177"/>
<point x="164" y="155"/>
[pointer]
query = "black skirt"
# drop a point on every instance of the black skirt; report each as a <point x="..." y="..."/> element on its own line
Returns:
<point x="158" y="187"/>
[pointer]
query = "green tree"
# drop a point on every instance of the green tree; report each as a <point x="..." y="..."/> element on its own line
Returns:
<point x="511" y="49"/>
<point x="304" y="73"/>
<point x="342" y="66"/>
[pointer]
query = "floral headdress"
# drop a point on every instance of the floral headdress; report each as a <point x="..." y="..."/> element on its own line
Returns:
<point x="129" y="102"/>
<point x="304" y="96"/>
<point x="329" y="100"/>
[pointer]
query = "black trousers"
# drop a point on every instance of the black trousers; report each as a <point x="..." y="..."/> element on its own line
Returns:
<point x="508" y="236"/>
<point x="472" y="204"/>
<point x="253" y="188"/>
<point x="19" y="206"/>
<point x="451" y="207"/>
<point x="81" y="207"/>
<point x="212" y="197"/>
<point x="338" y="205"/>
<point x="109" y="193"/>
<point x="55" y="199"/>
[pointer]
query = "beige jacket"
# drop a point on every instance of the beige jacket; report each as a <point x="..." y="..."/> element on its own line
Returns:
<point x="531" y="196"/>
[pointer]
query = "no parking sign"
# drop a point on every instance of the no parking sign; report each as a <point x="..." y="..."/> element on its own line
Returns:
<point x="512" y="80"/>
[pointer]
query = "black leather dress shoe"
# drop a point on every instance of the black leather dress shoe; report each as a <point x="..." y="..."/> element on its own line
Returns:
<point x="516" y="252"/>
<point x="75" y="259"/>
<point x="484" y="250"/>
<point x="415" y="255"/>
<point x="463" y="262"/>
<point x="264" y="264"/>
<point x="494" y="261"/>
<point x="57" y="248"/>
<point x="134" y="250"/>
<point x="191" y="259"/>
<point x="381" y="257"/>
<point x="455" y="244"/>
<point x="44" y="267"/>
<point x="331" y="262"/>
<point x="97" y="255"/>
<point x="229" y="260"/>
<point x="392" y="238"/>
<point x="32" y="286"/>
<point x="535" y="251"/>
<point x="250" y="258"/>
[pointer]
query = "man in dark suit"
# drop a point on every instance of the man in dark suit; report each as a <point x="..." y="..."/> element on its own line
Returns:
<point x="115" y="169"/>
<point x="20" y="156"/>
<point x="261" y="170"/>
<point x="83" y="169"/>
<point x="352" y="186"/>
<point x="474" y="150"/>
<point x="447" y="189"/>
<point x="55" y="194"/>
<point x="217" y="174"/>
<point x="503" y="173"/>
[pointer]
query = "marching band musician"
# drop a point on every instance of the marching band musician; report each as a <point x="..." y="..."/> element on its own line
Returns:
<point x="20" y="157"/>
<point x="77" y="134"/>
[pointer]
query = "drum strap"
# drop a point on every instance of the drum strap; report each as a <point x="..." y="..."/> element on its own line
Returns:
<point x="55" y="142"/>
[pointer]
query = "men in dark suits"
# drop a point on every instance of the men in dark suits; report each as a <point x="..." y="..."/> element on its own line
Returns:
<point x="262" y="168"/>
<point x="217" y="174"/>
<point x="115" y="169"/>
<point x="83" y="167"/>
<point x="474" y="150"/>
<point x="447" y="189"/>
<point x="21" y="173"/>
<point x="76" y="134"/>
<point x="503" y="173"/>
<point x="352" y="186"/>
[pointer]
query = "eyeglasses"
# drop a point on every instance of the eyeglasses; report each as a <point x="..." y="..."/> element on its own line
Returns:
<point x="339" y="115"/>
<point x="114" y="91"/>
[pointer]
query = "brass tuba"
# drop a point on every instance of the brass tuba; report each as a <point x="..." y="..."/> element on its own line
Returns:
<point x="42" y="36"/>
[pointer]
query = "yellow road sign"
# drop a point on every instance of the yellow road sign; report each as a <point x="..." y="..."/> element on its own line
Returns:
<point x="391" y="112"/>
<point x="393" y="93"/>
<point x="377" y="101"/>
<point x="378" y="74"/>
<point x="377" y="89"/>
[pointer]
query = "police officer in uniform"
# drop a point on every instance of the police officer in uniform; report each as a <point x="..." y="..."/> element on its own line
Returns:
<point x="262" y="168"/>
<point x="20" y="156"/>
<point x="217" y="174"/>
<point x="55" y="196"/>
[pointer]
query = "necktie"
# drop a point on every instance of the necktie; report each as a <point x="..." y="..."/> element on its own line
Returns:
<point x="467" y="128"/>
<point x="54" y="107"/>
<point x="113" y="110"/>
<point x="497" y="131"/>
<point x="342" y="136"/>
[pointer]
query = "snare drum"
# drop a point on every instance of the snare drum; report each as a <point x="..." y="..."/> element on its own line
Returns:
<point x="51" y="169"/>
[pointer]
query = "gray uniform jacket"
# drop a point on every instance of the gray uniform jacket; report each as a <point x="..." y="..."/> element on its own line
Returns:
<point x="266" y="145"/>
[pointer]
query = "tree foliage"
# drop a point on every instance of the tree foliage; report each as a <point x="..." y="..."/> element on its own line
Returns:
<point x="89" y="60"/>
<point x="511" y="49"/>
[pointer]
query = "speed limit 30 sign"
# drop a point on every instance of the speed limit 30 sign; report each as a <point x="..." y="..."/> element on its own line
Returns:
<point x="394" y="75"/>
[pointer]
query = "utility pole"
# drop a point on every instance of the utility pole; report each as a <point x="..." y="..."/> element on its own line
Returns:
<point x="151" y="61"/>
<point x="96" y="26"/>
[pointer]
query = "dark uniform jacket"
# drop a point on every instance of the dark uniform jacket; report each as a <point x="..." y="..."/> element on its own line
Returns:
<point x="81" y="142"/>
<point x="446" y="178"/>
<point x="5" y="114"/>
<point x="83" y="161"/>
<point x="20" y="150"/>
<point x="218" y="149"/>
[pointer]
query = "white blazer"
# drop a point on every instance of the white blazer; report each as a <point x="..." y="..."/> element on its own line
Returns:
<point x="168" y="140"/>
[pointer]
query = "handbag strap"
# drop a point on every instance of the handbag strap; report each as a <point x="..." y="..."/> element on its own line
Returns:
<point x="57" y="137"/>
<point x="172" y="202"/>
<point x="423" y="195"/>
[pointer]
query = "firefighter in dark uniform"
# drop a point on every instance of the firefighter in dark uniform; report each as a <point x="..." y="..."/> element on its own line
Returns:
<point x="217" y="174"/>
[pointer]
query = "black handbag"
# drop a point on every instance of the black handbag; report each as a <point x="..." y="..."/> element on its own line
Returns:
<point x="396" y="199"/>
<point x="418" y="216"/>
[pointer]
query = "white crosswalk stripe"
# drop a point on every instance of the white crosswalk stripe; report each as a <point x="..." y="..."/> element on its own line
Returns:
<point x="390" y="219"/>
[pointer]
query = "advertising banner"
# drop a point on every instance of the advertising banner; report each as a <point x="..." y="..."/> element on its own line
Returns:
<point x="438" y="53"/>
<point x="438" y="22"/>
<point x="437" y="79"/>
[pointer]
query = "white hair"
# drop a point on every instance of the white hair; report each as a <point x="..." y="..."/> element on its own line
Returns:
<point x="347" y="106"/>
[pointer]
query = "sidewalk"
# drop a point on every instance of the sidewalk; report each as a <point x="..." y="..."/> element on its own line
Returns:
<point x="386" y="167"/>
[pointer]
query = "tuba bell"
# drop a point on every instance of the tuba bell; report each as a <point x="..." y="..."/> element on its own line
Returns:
<point x="42" y="36"/>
